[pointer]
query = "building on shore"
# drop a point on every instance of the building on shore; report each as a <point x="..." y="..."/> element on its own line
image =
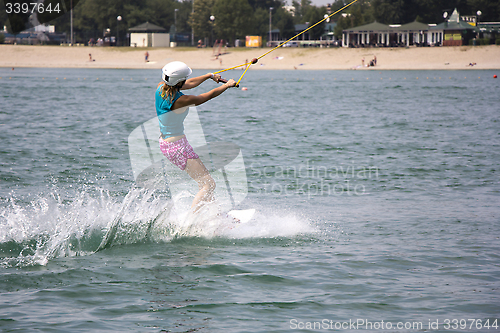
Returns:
<point x="40" y="34"/>
<point x="305" y="40"/>
<point x="489" y="30"/>
<point x="456" y="31"/>
<point x="149" y="35"/>
<point x="414" y="33"/>
<point x="453" y="32"/>
<point x="372" y="34"/>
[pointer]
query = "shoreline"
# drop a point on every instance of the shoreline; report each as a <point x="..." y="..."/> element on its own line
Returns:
<point x="413" y="58"/>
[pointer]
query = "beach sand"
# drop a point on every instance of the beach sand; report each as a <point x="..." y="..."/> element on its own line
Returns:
<point x="413" y="58"/>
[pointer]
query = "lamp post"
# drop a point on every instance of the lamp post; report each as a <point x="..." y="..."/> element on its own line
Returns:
<point x="118" y="19"/>
<point x="212" y="19"/>
<point x="270" y="21"/>
<point x="327" y="20"/>
<point x="479" y="13"/>
<point x="71" y="16"/>
<point x="192" y="29"/>
<point x="108" y="33"/>
<point x="175" y="25"/>
<point x="175" y="18"/>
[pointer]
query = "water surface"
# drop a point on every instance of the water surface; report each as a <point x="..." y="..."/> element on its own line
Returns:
<point x="376" y="194"/>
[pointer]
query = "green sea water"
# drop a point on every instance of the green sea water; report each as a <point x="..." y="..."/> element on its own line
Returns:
<point x="376" y="195"/>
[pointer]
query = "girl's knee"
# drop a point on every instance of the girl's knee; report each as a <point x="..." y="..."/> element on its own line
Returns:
<point x="207" y="183"/>
<point x="211" y="184"/>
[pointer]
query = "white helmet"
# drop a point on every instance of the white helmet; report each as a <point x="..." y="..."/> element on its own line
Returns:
<point x="175" y="72"/>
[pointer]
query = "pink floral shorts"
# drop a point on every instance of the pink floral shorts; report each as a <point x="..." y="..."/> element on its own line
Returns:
<point x="178" y="152"/>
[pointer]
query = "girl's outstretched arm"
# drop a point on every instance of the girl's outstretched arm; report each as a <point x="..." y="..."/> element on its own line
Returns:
<point x="196" y="81"/>
<point x="187" y="100"/>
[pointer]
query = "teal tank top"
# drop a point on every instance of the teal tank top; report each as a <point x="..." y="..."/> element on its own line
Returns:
<point x="171" y="123"/>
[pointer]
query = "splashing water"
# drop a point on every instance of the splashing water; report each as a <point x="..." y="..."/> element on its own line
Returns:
<point x="50" y="226"/>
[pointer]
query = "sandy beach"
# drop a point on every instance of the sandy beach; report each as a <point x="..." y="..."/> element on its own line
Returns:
<point x="429" y="58"/>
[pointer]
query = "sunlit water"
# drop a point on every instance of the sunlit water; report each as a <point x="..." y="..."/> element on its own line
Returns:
<point x="376" y="194"/>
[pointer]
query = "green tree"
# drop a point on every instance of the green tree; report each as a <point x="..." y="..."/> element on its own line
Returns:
<point x="17" y="23"/>
<point x="3" y="15"/>
<point x="237" y="18"/>
<point x="358" y="14"/>
<point x="314" y="15"/>
<point x="280" y="17"/>
<point x="265" y="4"/>
<point x="50" y="15"/>
<point x="490" y="9"/>
<point x="161" y="12"/>
<point x="431" y="11"/>
<point x="343" y="23"/>
<point x="284" y="22"/>
<point x="261" y="23"/>
<point x="200" y="18"/>
<point x="301" y="9"/>
<point x="135" y="14"/>
<point x="386" y="11"/>
<point x="185" y="10"/>
<point x="94" y="16"/>
<point x="297" y="18"/>
<point x="233" y="19"/>
<point x="305" y="5"/>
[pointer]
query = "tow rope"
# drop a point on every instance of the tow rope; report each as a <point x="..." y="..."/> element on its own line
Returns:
<point x="255" y="60"/>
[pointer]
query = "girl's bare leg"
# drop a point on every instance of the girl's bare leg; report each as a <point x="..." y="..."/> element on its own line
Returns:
<point x="197" y="170"/>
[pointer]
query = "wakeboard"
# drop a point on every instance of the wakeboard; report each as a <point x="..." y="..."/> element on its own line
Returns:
<point x="242" y="216"/>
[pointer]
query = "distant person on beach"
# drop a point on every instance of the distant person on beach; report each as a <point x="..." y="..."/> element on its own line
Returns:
<point x="172" y="109"/>
<point x="216" y="49"/>
<point x="90" y="57"/>
<point x="363" y="62"/>
<point x="373" y="62"/>
<point x="146" y="56"/>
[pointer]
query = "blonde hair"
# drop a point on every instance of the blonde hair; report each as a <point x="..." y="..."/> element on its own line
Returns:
<point x="168" y="92"/>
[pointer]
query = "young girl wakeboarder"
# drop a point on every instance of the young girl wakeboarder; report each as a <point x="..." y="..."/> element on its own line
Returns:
<point x="172" y="109"/>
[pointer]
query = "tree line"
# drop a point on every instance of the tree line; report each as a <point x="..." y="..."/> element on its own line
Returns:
<point x="235" y="19"/>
